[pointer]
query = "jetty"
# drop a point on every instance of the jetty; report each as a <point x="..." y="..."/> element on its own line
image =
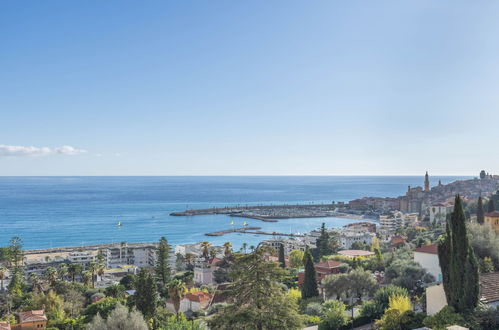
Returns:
<point x="235" y="230"/>
<point x="267" y="213"/>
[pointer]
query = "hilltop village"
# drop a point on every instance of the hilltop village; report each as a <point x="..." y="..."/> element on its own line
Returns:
<point x="393" y="268"/>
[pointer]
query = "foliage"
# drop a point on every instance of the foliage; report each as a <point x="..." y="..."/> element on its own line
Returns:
<point x="15" y="253"/>
<point x="163" y="270"/>
<point x="326" y="244"/>
<point x="398" y="315"/>
<point x="485" y="318"/>
<point x="491" y="206"/>
<point x="407" y="274"/>
<point x="176" y="290"/>
<point x="334" y="316"/>
<point x="102" y="307"/>
<point x="120" y="318"/>
<point x="486" y="265"/>
<point x="282" y="259"/>
<point x="314" y="308"/>
<point x="180" y="323"/>
<point x="145" y="297"/>
<point x="296" y="259"/>
<point x="458" y="263"/>
<point x="128" y="281"/>
<point x="258" y="301"/>
<point x="221" y="274"/>
<point x="356" y="284"/>
<point x="115" y="291"/>
<point x="480" y="217"/>
<point x="446" y="317"/>
<point x="485" y="242"/>
<point x="294" y="294"/>
<point x="377" y="307"/>
<point x="309" y="287"/>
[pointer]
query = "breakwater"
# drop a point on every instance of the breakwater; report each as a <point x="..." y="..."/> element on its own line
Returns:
<point x="267" y="213"/>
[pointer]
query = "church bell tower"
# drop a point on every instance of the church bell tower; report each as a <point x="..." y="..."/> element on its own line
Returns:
<point x="426" y="182"/>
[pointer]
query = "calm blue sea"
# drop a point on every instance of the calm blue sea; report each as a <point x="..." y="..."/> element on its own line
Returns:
<point x="66" y="211"/>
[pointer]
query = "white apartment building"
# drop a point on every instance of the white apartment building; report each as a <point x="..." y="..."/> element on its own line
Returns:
<point x="290" y="244"/>
<point x="391" y="222"/>
<point x="348" y="237"/>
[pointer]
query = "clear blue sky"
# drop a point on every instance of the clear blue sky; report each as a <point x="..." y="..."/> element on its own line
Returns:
<point x="248" y="87"/>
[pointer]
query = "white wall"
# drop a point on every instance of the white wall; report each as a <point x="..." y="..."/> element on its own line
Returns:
<point x="429" y="261"/>
<point x="435" y="299"/>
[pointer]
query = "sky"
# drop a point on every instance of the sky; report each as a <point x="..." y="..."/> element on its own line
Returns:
<point x="249" y="87"/>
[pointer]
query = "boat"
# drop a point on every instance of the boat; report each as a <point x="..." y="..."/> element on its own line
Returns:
<point x="119" y="224"/>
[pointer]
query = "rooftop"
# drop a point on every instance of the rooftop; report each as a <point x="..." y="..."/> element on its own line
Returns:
<point x="4" y="325"/>
<point x="494" y="214"/>
<point x="32" y="316"/>
<point x="489" y="287"/>
<point x="329" y="264"/>
<point x="432" y="248"/>
<point x="199" y="296"/>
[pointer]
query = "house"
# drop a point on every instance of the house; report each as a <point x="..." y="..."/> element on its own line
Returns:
<point x="438" y="212"/>
<point x="427" y="257"/>
<point x="203" y="271"/>
<point x="4" y="325"/>
<point x="32" y="320"/>
<point x="322" y="269"/>
<point x="489" y="289"/>
<point x="193" y="302"/>
<point x="492" y="219"/>
<point x="397" y="242"/>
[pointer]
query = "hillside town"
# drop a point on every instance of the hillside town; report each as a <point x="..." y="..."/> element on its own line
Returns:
<point x="390" y="269"/>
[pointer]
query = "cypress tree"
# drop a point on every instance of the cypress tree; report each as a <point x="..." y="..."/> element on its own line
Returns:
<point x="309" y="287"/>
<point x="491" y="207"/>
<point x="322" y="243"/>
<point x="282" y="260"/>
<point x="458" y="263"/>
<point x="163" y="270"/>
<point x="479" y="211"/>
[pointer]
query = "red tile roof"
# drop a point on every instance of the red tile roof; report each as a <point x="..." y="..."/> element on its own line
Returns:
<point x="329" y="264"/>
<point x="489" y="287"/>
<point x="32" y="316"/>
<point x="494" y="214"/>
<point x="432" y="248"/>
<point x="199" y="296"/>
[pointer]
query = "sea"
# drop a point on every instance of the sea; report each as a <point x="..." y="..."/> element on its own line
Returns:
<point x="50" y="212"/>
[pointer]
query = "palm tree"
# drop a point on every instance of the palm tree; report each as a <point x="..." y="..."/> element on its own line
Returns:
<point x="244" y="247"/>
<point x="36" y="284"/>
<point x="74" y="269"/>
<point x="87" y="277"/>
<point x="189" y="257"/>
<point x="3" y="275"/>
<point x="62" y="271"/>
<point x="92" y="268"/>
<point x="100" y="269"/>
<point x="50" y="274"/>
<point x="228" y="248"/>
<point x="176" y="290"/>
<point x="206" y="252"/>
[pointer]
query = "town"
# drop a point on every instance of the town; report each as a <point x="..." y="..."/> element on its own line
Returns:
<point x="429" y="259"/>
